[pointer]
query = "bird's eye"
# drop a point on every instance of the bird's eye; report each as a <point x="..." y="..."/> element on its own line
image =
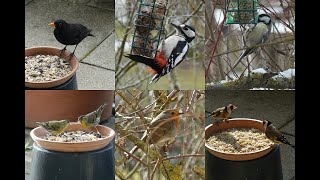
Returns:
<point x="172" y="113"/>
<point x="185" y="28"/>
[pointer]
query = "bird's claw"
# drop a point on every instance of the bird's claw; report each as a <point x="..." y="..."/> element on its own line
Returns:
<point x="61" y="51"/>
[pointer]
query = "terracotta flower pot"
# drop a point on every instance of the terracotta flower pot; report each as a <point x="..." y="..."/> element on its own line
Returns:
<point x="45" y="50"/>
<point x="46" y="105"/>
<point x="262" y="164"/>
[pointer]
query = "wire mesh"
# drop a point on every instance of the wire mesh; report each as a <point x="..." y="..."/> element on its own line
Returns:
<point x="149" y="27"/>
<point x="241" y="11"/>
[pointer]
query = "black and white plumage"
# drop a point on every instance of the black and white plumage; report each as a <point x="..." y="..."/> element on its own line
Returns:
<point x="256" y="35"/>
<point x="171" y="52"/>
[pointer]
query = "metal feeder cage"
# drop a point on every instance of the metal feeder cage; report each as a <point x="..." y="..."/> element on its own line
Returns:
<point x="241" y="11"/>
<point x="149" y="28"/>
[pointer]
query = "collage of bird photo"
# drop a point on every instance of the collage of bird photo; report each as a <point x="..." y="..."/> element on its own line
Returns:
<point x="160" y="90"/>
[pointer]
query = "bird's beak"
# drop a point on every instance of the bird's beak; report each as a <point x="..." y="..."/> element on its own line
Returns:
<point x="181" y="113"/>
<point x="51" y="24"/>
<point x="176" y="26"/>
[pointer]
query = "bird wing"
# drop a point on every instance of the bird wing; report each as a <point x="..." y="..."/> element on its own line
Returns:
<point x="257" y="35"/>
<point x="176" y="57"/>
<point x="79" y="32"/>
<point x="217" y="112"/>
<point x="55" y="125"/>
<point x="273" y="133"/>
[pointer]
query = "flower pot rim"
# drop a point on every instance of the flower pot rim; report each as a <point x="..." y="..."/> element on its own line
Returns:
<point x="238" y="156"/>
<point x="53" y="51"/>
<point x="73" y="146"/>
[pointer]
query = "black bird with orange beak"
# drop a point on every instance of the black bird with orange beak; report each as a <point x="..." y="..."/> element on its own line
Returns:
<point x="69" y="34"/>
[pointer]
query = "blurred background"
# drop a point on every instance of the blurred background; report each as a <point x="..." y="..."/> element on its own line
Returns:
<point x="224" y="44"/>
<point x="188" y="149"/>
<point x="188" y="75"/>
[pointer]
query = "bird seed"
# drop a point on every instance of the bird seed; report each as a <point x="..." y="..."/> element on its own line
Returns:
<point x="239" y="140"/>
<point x="42" y="68"/>
<point x="75" y="136"/>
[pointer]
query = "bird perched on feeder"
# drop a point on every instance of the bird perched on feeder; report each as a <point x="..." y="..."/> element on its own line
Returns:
<point x="163" y="129"/>
<point x="274" y="134"/>
<point x="54" y="127"/>
<point x="92" y="119"/>
<point x="223" y="112"/>
<point x="256" y="35"/>
<point x="171" y="52"/>
<point x="69" y="34"/>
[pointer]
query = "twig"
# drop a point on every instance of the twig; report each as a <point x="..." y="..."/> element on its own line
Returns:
<point x="286" y="39"/>
<point x="133" y="156"/>
<point x="184" y="156"/>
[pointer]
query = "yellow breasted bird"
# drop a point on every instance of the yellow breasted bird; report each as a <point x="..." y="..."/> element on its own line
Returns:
<point x="92" y="119"/>
<point x="223" y="112"/>
<point x="274" y="134"/>
<point x="54" y="127"/>
<point x="163" y="129"/>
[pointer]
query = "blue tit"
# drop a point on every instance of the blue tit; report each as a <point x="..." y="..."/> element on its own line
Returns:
<point x="274" y="134"/>
<point x="256" y="35"/>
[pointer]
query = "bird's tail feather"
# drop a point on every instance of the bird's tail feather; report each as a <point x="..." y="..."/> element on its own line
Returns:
<point x="245" y="53"/>
<point x="153" y="63"/>
<point x="155" y="78"/>
<point x="285" y="141"/>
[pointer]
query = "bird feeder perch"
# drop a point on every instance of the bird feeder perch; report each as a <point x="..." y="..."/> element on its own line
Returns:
<point x="241" y="11"/>
<point x="149" y="27"/>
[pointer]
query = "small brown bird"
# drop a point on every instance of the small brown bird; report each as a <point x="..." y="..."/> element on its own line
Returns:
<point x="274" y="134"/>
<point x="223" y="112"/>
<point x="163" y="129"/>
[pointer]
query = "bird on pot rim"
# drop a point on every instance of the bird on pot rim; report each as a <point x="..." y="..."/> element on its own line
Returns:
<point x="54" y="127"/>
<point x="274" y="134"/>
<point x="223" y="112"/>
<point x="69" y="34"/>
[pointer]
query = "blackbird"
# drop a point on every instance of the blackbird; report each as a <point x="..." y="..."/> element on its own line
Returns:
<point x="69" y="34"/>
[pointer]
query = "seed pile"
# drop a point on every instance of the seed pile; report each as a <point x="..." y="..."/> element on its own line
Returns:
<point x="239" y="140"/>
<point x="42" y="68"/>
<point x="74" y="136"/>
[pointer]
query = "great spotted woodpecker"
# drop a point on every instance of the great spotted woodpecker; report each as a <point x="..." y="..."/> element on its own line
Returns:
<point x="171" y="52"/>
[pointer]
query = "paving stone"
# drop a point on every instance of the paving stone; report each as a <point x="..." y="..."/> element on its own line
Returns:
<point x="94" y="78"/>
<point x="102" y="4"/>
<point x="40" y="13"/>
<point x="103" y="55"/>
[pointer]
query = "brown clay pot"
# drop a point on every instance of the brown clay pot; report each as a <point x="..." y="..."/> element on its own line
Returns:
<point x="235" y="123"/>
<point x="46" y="50"/>
<point x="46" y="105"/>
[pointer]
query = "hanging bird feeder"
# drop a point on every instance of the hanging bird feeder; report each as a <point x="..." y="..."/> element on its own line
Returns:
<point x="148" y="27"/>
<point x="241" y="11"/>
